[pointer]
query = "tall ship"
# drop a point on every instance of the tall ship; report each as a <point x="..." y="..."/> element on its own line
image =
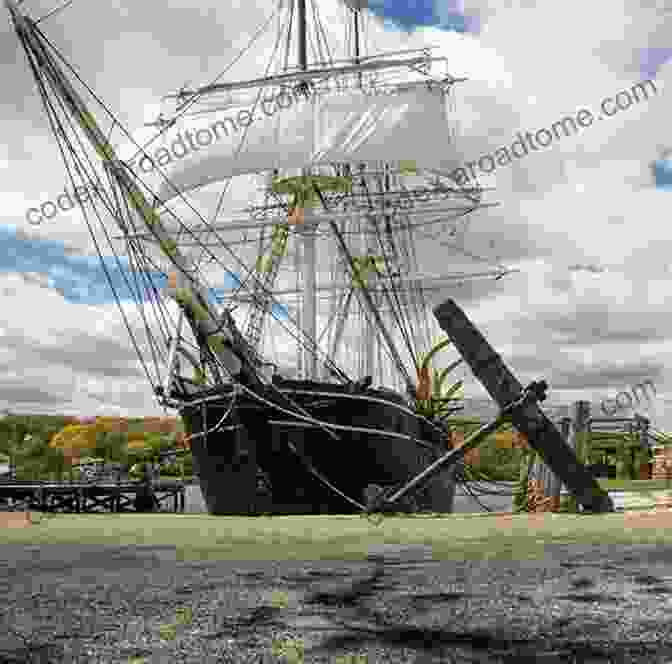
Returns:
<point x="279" y="236"/>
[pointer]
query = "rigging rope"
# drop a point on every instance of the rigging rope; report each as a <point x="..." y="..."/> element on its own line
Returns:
<point x="59" y="132"/>
<point x="119" y="214"/>
<point x="335" y="370"/>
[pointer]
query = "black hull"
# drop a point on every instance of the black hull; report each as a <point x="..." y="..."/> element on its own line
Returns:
<point x="226" y="462"/>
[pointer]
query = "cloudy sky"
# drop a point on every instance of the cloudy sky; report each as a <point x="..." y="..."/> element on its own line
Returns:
<point x="583" y="219"/>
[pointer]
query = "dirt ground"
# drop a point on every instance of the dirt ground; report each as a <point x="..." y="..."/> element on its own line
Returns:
<point x="64" y="603"/>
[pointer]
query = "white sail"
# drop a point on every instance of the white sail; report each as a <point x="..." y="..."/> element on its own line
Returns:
<point x="341" y="127"/>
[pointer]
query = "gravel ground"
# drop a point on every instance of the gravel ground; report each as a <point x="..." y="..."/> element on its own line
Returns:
<point x="107" y="604"/>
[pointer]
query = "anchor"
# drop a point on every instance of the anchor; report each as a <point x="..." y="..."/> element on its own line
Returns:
<point x="517" y="405"/>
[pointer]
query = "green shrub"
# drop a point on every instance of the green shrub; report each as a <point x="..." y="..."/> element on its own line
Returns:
<point x="495" y="462"/>
<point x="171" y="470"/>
<point x="188" y="462"/>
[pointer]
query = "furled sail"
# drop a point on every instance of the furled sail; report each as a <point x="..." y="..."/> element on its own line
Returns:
<point x="346" y="126"/>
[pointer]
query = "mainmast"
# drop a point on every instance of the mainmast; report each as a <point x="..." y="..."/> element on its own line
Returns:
<point x="308" y="364"/>
<point x="302" y="34"/>
<point x="367" y="340"/>
<point x="370" y="332"/>
<point x="355" y="12"/>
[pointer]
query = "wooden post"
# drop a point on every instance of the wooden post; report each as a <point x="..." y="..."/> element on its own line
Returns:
<point x="554" y="482"/>
<point x="504" y="388"/>
<point x="534" y="489"/>
<point x="643" y="472"/>
<point x="578" y="423"/>
<point x="662" y="463"/>
<point x="544" y="495"/>
<point x="644" y="431"/>
<point x="545" y="483"/>
<point x="521" y="478"/>
<point x="539" y="489"/>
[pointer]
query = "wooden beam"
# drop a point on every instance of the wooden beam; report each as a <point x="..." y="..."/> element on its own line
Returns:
<point x="504" y="388"/>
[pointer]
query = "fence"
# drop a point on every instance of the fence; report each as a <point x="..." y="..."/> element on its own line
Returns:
<point x="544" y="486"/>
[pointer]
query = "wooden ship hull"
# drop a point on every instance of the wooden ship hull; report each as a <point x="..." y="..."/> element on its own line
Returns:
<point x="227" y="461"/>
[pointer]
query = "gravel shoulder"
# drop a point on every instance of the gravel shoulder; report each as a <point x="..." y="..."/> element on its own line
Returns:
<point x="108" y="604"/>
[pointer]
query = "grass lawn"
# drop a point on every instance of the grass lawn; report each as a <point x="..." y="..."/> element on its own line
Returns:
<point x="345" y="537"/>
<point x="634" y="485"/>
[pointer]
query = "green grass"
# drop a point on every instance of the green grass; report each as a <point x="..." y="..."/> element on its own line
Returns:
<point x="634" y="485"/>
<point x="337" y="537"/>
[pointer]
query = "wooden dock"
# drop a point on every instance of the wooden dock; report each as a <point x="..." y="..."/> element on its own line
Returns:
<point x="87" y="497"/>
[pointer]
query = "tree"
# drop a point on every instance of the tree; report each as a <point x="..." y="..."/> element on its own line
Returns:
<point x="54" y="463"/>
<point x="112" y="446"/>
<point x="31" y="458"/>
<point x="13" y="432"/>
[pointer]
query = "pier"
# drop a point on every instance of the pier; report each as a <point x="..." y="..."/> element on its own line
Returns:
<point x="87" y="497"/>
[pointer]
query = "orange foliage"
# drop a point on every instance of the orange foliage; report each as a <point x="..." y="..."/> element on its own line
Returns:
<point x="112" y="424"/>
<point x="424" y="389"/>
<point x="295" y="215"/>
<point x="160" y="424"/>
<point x="137" y="444"/>
<point x="75" y="436"/>
<point x="520" y="441"/>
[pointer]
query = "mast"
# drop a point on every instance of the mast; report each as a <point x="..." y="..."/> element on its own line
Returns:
<point x="303" y="58"/>
<point x="355" y="11"/>
<point x="370" y="336"/>
<point x="309" y="262"/>
<point x="299" y="317"/>
<point x="309" y="313"/>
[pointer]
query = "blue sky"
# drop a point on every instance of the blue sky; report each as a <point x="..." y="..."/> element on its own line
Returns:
<point x="82" y="279"/>
<point x="449" y="16"/>
<point x="590" y="332"/>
